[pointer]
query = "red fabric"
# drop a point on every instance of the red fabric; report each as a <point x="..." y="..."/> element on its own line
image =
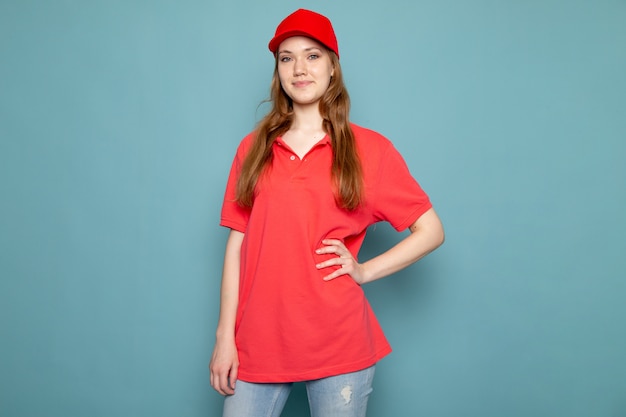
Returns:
<point x="307" y="23"/>
<point x="291" y="325"/>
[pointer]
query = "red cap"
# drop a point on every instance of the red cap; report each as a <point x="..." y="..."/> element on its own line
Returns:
<point x="306" y="23"/>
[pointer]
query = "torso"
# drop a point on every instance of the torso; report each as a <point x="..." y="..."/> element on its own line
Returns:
<point x="291" y="324"/>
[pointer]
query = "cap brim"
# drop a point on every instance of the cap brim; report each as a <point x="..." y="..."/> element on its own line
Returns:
<point x="277" y="40"/>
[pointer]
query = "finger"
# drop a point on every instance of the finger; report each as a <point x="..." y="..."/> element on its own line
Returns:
<point x="332" y="246"/>
<point x="333" y="276"/>
<point x="328" y="249"/>
<point x="331" y="262"/>
<point x="212" y="378"/>
<point x="218" y="387"/>
<point x="341" y="271"/>
<point x="215" y="383"/>
<point x="224" y="385"/>
<point x="233" y="377"/>
<point x="219" y="381"/>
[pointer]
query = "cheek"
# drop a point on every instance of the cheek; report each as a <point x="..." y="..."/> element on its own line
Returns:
<point x="283" y="73"/>
<point x="283" y="80"/>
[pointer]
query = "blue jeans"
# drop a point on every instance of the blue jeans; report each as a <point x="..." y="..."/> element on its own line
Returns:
<point x="343" y="395"/>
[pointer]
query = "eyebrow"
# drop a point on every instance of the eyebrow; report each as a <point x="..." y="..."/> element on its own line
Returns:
<point x="286" y="51"/>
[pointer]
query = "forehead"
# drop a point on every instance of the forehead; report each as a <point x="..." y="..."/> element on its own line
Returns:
<point x="299" y="43"/>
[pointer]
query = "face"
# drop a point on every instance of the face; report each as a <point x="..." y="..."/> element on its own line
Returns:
<point x="304" y="69"/>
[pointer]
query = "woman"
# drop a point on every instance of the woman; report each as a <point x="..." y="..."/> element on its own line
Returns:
<point x="303" y="188"/>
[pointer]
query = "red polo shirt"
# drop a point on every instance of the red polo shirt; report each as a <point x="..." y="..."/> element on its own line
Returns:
<point x="291" y="325"/>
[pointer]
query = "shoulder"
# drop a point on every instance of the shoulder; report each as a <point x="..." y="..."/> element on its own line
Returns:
<point x="248" y="139"/>
<point x="246" y="143"/>
<point x="370" y="142"/>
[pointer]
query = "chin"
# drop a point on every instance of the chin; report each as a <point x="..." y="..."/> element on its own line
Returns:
<point x="305" y="101"/>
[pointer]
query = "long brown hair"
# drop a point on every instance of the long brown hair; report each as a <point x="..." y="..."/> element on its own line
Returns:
<point x="334" y="108"/>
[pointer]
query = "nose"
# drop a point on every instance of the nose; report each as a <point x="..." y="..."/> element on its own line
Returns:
<point x="299" y="67"/>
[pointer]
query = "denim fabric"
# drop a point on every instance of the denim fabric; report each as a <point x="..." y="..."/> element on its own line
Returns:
<point x="343" y="395"/>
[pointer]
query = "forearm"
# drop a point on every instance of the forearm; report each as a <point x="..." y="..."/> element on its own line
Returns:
<point x="426" y="235"/>
<point x="229" y="294"/>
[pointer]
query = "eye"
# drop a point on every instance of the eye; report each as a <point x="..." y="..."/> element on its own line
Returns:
<point x="314" y="56"/>
<point x="285" y="58"/>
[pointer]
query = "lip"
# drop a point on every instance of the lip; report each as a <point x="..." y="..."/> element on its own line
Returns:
<point x="301" y="84"/>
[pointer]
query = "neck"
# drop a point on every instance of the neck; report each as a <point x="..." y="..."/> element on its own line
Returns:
<point x="307" y="118"/>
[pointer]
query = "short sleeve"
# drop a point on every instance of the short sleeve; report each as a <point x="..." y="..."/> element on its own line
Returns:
<point x="399" y="199"/>
<point x="233" y="215"/>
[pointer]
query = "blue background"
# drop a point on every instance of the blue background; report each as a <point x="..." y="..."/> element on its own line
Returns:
<point x="118" y="123"/>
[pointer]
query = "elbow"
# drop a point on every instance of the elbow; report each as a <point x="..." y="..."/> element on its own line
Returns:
<point x="439" y="236"/>
<point x="430" y="227"/>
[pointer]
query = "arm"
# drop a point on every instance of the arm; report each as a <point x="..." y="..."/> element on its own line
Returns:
<point x="426" y="235"/>
<point x="225" y="362"/>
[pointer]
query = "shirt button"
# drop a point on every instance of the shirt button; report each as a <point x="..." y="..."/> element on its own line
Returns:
<point x="292" y="157"/>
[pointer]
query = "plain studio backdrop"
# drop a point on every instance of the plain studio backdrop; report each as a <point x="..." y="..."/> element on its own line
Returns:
<point x="118" y="124"/>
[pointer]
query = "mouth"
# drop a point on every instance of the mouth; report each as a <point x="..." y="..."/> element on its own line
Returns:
<point x="301" y="84"/>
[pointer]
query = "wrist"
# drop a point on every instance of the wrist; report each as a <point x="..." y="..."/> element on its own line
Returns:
<point x="224" y="333"/>
<point x="366" y="274"/>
